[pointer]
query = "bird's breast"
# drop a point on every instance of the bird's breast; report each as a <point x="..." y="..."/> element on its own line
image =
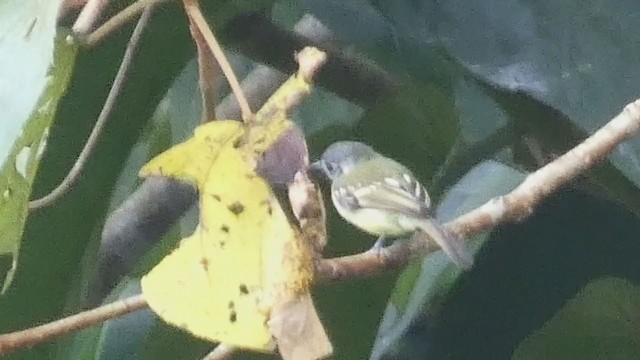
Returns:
<point x="373" y="221"/>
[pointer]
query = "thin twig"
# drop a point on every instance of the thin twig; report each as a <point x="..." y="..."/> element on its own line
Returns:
<point x="221" y="352"/>
<point x="520" y="202"/>
<point x="208" y="70"/>
<point x="117" y="21"/>
<point x="139" y="222"/>
<point x="193" y="11"/>
<point x="85" y="319"/>
<point x="514" y="206"/>
<point x="88" y="16"/>
<point x="91" y="143"/>
<point x="310" y="61"/>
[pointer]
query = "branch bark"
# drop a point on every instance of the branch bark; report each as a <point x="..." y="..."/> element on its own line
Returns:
<point x="82" y="320"/>
<point x="515" y="206"/>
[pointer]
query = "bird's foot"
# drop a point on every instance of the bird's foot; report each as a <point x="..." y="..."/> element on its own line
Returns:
<point x="378" y="246"/>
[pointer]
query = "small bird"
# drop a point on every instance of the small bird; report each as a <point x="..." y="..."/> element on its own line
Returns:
<point x="382" y="197"/>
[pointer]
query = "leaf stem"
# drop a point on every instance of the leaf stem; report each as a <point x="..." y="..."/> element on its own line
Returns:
<point x="193" y="11"/>
<point x="73" y="174"/>
<point x="115" y="22"/>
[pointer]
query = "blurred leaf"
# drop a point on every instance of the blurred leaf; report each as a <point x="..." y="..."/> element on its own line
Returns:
<point x="100" y="271"/>
<point x="396" y="41"/>
<point x="422" y="287"/>
<point x="523" y="275"/>
<point x="551" y="50"/>
<point x="512" y="46"/>
<point x="55" y="238"/>
<point x="556" y="134"/>
<point x="183" y="105"/>
<point x="602" y="321"/>
<point x="323" y="110"/>
<point x="521" y="53"/>
<point x="20" y="166"/>
<point x="27" y="32"/>
<point x="417" y="126"/>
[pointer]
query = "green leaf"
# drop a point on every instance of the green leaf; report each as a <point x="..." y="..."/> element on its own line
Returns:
<point x="602" y="321"/>
<point x="27" y="32"/>
<point x="416" y="126"/>
<point x="56" y="238"/>
<point x="20" y="166"/>
<point x="544" y="87"/>
<point x="423" y="286"/>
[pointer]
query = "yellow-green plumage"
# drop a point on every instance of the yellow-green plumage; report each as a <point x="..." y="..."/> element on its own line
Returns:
<point x="382" y="197"/>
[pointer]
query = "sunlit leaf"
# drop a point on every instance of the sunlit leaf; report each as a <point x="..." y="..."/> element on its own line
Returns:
<point x="20" y="166"/>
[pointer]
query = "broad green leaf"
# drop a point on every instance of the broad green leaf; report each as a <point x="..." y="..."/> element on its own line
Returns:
<point x="421" y="287"/>
<point x="27" y="32"/>
<point x="514" y="46"/>
<point x="19" y="168"/>
<point x="416" y="126"/>
<point x="601" y="321"/>
<point x="523" y="275"/>
<point x="55" y="238"/>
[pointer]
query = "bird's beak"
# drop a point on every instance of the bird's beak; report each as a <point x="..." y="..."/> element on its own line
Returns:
<point x="317" y="168"/>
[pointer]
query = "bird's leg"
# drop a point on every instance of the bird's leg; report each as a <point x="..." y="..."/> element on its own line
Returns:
<point x="379" y="244"/>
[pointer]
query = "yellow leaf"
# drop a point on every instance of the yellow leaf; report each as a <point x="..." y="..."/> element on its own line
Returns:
<point x="191" y="160"/>
<point x="244" y="258"/>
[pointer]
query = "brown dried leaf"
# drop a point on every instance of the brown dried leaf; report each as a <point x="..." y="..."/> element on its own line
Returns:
<point x="298" y="331"/>
<point x="308" y="207"/>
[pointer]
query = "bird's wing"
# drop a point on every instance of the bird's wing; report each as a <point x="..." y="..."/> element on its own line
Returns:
<point x="399" y="192"/>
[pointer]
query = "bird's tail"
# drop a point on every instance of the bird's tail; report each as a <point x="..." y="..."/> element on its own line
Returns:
<point x="454" y="248"/>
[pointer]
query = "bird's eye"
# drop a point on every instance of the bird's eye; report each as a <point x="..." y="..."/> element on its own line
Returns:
<point x="332" y="168"/>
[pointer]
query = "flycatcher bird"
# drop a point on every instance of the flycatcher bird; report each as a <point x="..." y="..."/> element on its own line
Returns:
<point x="382" y="197"/>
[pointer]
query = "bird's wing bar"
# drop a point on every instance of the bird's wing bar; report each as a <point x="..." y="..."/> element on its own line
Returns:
<point x="401" y="193"/>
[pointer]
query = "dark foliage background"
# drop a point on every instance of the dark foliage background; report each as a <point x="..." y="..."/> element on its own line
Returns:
<point x="469" y="94"/>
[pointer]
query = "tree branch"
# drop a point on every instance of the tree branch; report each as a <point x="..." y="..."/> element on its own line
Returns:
<point x="82" y="320"/>
<point x="89" y="15"/>
<point x="515" y="206"/>
<point x="221" y="352"/>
